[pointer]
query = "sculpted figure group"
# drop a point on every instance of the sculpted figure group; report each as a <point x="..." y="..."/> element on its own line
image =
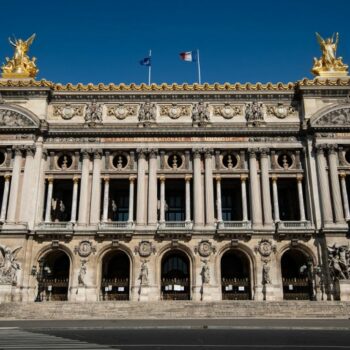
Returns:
<point x="339" y="262"/>
<point x="9" y="265"/>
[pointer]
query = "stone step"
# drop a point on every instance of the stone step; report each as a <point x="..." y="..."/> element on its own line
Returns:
<point x="175" y="309"/>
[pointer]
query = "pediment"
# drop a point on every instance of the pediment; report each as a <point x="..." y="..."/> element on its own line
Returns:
<point x="332" y="117"/>
<point x="15" y="117"/>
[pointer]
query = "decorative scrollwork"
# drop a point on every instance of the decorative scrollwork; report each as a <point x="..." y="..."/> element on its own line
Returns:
<point x="121" y="111"/>
<point x="280" y="111"/>
<point x="228" y="111"/>
<point x="68" y="111"/>
<point x="174" y="111"/>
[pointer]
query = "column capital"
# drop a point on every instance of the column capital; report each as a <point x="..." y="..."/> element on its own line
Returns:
<point x="196" y="152"/>
<point x="132" y="178"/>
<point x="218" y="178"/>
<point x="152" y="153"/>
<point x="320" y="149"/>
<point x="29" y="149"/>
<point x="106" y="178"/>
<point x="97" y="153"/>
<point x="7" y="177"/>
<point x="85" y="153"/>
<point x="244" y="177"/>
<point x="162" y="178"/>
<point x="274" y="177"/>
<point x="208" y="153"/>
<point x="264" y="152"/>
<point x="300" y="177"/>
<point x="188" y="177"/>
<point x="141" y="153"/>
<point x="252" y="152"/>
<point x="50" y="179"/>
<point x="17" y="149"/>
<point x="342" y="174"/>
<point x="75" y="179"/>
<point x="332" y="148"/>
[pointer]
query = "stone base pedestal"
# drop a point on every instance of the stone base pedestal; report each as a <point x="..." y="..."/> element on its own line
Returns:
<point x="143" y="293"/>
<point x="80" y="295"/>
<point x="344" y="286"/>
<point x="267" y="292"/>
<point x="5" y="293"/>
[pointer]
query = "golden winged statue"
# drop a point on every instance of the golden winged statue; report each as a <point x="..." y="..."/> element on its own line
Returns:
<point x="20" y="65"/>
<point x="329" y="65"/>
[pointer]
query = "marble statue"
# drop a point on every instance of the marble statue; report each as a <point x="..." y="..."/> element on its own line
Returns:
<point x="205" y="273"/>
<point x="339" y="258"/>
<point x="9" y="265"/>
<point x="143" y="277"/>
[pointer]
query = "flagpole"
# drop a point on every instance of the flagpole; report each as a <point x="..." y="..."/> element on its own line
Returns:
<point x="149" y="68"/>
<point x="199" y="67"/>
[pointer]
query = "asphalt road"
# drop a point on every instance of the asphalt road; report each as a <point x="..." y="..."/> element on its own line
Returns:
<point x="174" y="335"/>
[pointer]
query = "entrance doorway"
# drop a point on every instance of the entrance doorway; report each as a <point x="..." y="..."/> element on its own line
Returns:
<point x="115" y="276"/>
<point x="55" y="276"/>
<point x="235" y="276"/>
<point x="297" y="284"/>
<point x="175" y="276"/>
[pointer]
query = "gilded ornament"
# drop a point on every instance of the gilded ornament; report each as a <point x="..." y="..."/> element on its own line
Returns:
<point x="228" y="111"/>
<point x="280" y="111"/>
<point x="20" y="65"/>
<point x="121" y="111"/>
<point x="329" y="65"/>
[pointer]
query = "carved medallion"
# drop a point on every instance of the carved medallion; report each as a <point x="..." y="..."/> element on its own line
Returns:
<point x="121" y="111"/>
<point x="84" y="249"/>
<point x="174" y="111"/>
<point x="145" y="249"/>
<point x="68" y="111"/>
<point x="280" y="111"/>
<point x="265" y="248"/>
<point x="228" y="111"/>
<point x="205" y="249"/>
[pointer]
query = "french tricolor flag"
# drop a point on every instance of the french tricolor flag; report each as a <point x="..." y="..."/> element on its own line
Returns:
<point x="189" y="56"/>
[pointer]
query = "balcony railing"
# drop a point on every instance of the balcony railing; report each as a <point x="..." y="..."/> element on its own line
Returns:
<point x="288" y="225"/>
<point x="116" y="225"/>
<point x="168" y="225"/>
<point x="56" y="225"/>
<point x="234" y="225"/>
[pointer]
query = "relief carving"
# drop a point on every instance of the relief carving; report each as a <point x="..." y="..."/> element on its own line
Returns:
<point x="200" y="114"/>
<point x="175" y="111"/>
<point x="254" y="113"/>
<point x="337" y="117"/>
<point x="9" y="117"/>
<point x="227" y="111"/>
<point x="121" y="111"/>
<point x="9" y="265"/>
<point x="68" y="111"/>
<point x="93" y="113"/>
<point x="280" y="111"/>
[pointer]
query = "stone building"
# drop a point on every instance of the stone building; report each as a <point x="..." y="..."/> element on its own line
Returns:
<point x="169" y="192"/>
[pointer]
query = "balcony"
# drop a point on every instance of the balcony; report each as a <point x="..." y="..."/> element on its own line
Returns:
<point x="234" y="229"/>
<point x="294" y="229"/>
<point x="56" y="228"/>
<point x="122" y="229"/>
<point x="175" y="230"/>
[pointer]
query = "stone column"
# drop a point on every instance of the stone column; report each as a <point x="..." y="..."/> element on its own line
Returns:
<point x="152" y="187"/>
<point x="5" y="196"/>
<point x="255" y="198"/>
<point x="131" y="198"/>
<point x="73" y="216"/>
<point x="218" y="199"/>
<point x="335" y="186"/>
<point x="188" y="198"/>
<point x="16" y="173"/>
<point x="105" y="199"/>
<point x="84" y="188"/>
<point x="276" y="208"/>
<point x="301" y="197"/>
<point x="49" y="199"/>
<point x="265" y="185"/>
<point x="162" y="200"/>
<point x="324" y="187"/>
<point x="345" y="195"/>
<point x="141" y="191"/>
<point x="197" y="189"/>
<point x="244" y="197"/>
<point x="96" y="189"/>
<point x="209" y="190"/>
<point x="28" y="185"/>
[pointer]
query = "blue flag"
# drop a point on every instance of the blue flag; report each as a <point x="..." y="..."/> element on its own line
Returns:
<point x="146" y="61"/>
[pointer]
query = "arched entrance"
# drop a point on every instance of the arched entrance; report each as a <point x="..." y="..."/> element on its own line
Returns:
<point x="235" y="276"/>
<point x="115" y="276"/>
<point x="175" y="276"/>
<point x="296" y="275"/>
<point x="54" y="276"/>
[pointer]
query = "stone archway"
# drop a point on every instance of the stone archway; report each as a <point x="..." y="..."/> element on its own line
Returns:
<point x="115" y="281"/>
<point x="175" y="276"/>
<point x="297" y="283"/>
<point x="55" y="270"/>
<point x="235" y="276"/>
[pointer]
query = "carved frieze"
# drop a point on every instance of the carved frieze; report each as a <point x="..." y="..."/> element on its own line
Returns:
<point x="147" y="113"/>
<point x="338" y="117"/>
<point x="200" y="114"/>
<point x="254" y="113"/>
<point x="227" y="110"/>
<point x="9" y="117"/>
<point x="93" y="113"/>
<point x="121" y="110"/>
<point x="280" y="110"/>
<point x="68" y="111"/>
<point x="174" y="111"/>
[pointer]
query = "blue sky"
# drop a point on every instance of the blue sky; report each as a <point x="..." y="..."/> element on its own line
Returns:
<point x="239" y="41"/>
